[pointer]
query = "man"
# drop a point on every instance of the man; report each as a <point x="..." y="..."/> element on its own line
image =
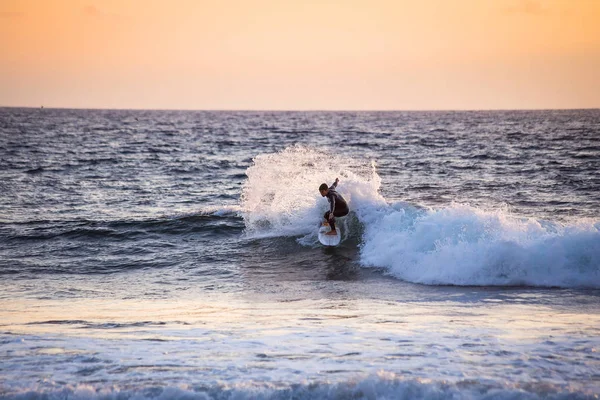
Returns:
<point x="338" y="206"/>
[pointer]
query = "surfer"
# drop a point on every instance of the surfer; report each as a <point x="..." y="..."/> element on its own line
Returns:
<point x="338" y="206"/>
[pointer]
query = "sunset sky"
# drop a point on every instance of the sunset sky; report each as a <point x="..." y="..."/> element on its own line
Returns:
<point x="299" y="55"/>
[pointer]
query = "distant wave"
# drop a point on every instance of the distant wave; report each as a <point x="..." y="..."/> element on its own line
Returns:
<point x="216" y="221"/>
<point x="384" y="385"/>
<point x="107" y="325"/>
<point x="109" y="246"/>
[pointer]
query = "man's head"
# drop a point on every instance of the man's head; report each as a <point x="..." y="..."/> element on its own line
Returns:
<point x="324" y="189"/>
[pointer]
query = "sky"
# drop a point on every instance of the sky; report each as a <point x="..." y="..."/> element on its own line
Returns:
<point x="300" y="54"/>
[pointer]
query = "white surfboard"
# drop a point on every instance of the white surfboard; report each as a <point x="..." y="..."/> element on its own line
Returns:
<point x="329" y="240"/>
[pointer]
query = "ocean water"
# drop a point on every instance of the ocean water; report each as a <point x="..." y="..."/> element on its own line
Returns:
<point x="173" y="255"/>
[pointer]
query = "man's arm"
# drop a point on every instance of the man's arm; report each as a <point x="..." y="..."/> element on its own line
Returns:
<point x="335" y="183"/>
<point x="332" y="201"/>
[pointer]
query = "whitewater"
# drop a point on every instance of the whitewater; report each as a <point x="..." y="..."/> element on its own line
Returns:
<point x="452" y="245"/>
<point x="174" y="255"/>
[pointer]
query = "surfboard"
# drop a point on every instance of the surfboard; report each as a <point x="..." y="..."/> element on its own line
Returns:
<point x="329" y="240"/>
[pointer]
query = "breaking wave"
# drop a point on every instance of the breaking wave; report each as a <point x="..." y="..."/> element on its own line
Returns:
<point x="453" y="245"/>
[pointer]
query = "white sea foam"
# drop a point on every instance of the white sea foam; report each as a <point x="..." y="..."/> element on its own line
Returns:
<point x="463" y="245"/>
<point x="383" y="385"/>
<point x="281" y="197"/>
<point x="221" y="211"/>
<point x="453" y="245"/>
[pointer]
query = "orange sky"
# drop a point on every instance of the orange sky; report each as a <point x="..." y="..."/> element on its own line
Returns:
<point x="287" y="54"/>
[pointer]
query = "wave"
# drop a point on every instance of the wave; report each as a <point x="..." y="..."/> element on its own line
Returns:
<point x="85" y="246"/>
<point x="453" y="245"/>
<point x="464" y="245"/>
<point x="383" y="385"/>
<point x="107" y="325"/>
<point x="217" y="220"/>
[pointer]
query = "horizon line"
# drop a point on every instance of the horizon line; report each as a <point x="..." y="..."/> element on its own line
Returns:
<point x="300" y="110"/>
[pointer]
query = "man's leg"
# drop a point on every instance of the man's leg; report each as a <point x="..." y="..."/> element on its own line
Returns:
<point x="326" y="216"/>
<point x="341" y="213"/>
<point x="336" y="213"/>
<point x="332" y="223"/>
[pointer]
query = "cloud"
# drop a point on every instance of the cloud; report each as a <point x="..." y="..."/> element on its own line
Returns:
<point x="529" y="7"/>
<point x="11" y="14"/>
<point x="93" y="11"/>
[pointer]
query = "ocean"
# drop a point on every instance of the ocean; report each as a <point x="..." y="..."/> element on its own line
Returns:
<point x="174" y="255"/>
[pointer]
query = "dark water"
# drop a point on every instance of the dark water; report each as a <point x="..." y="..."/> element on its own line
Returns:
<point x="138" y="189"/>
<point x="111" y="220"/>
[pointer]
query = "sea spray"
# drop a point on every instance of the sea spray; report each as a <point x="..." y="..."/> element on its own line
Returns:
<point x="281" y="197"/>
